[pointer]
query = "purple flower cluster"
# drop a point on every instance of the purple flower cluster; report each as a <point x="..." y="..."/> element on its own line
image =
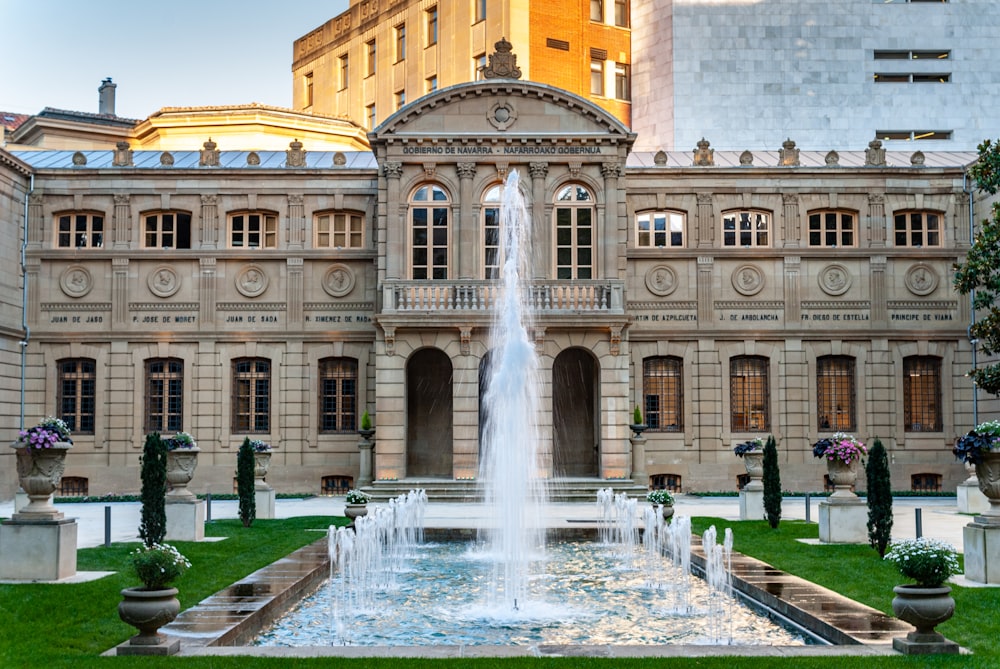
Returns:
<point x="841" y="447"/>
<point x="46" y="434"/>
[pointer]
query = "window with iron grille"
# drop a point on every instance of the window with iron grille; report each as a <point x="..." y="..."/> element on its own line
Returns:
<point x="922" y="394"/>
<point x="164" y="395"/>
<point x="671" y="482"/>
<point x="335" y="485"/>
<point x="835" y="395"/>
<point x="925" y="482"/>
<point x="918" y="228"/>
<point x="251" y="400"/>
<point x="663" y="393"/>
<point x="77" y="386"/>
<point x="74" y="486"/>
<point x="832" y="228"/>
<point x="338" y="395"/>
<point x="79" y="230"/>
<point x="749" y="397"/>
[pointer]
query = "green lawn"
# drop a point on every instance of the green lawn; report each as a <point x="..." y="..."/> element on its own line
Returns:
<point x="55" y="626"/>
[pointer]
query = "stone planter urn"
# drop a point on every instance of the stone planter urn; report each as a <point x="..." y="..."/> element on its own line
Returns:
<point x="754" y="462"/>
<point x="923" y="607"/>
<point x="638" y="429"/>
<point x="39" y="471"/>
<point x="261" y="463"/>
<point x="148" y="611"/>
<point x="181" y="463"/>
<point x="842" y="476"/>
<point x="668" y="511"/>
<point x="988" y="473"/>
<point x="353" y="511"/>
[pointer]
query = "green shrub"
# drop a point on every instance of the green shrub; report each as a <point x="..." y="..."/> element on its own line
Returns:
<point x="637" y="416"/>
<point x="153" y="517"/>
<point x="772" y="483"/>
<point x="879" y="498"/>
<point x="245" y="482"/>
<point x="157" y="565"/>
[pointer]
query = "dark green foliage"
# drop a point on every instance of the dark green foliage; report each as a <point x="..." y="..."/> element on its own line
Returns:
<point x="637" y="416"/>
<point x="879" y="498"/>
<point x="366" y="421"/>
<point x="772" y="483"/>
<point x="244" y="483"/>
<point x="980" y="273"/>
<point x="153" y="518"/>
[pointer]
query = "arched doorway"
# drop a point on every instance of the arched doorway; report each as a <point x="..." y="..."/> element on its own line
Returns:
<point x="429" y="415"/>
<point x="484" y="384"/>
<point x="574" y="400"/>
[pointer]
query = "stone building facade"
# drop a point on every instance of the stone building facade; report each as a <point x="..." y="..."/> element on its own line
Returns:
<point x="278" y="295"/>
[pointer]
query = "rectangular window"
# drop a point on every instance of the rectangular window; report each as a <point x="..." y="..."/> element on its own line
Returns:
<point x="251" y="396"/>
<point x="621" y="13"/>
<point x="597" y="10"/>
<point x="339" y="230"/>
<point x="80" y="231"/>
<point x="835" y="395"/>
<point x="344" y="73"/>
<point x="167" y="230"/>
<point x="164" y="395"/>
<point x="749" y="396"/>
<point x="371" y="58"/>
<point x="370" y="114"/>
<point x="888" y="54"/>
<point x="922" y="394"/>
<point x="596" y="77"/>
<point x="912" y="77"/>
<point x="479" y="67"/>
<point x="913" y="135"/>
<point x="663" y="393"/>
<point x="745" y="228"/>
<point x="917" y="229"/>
<point x="432" y="25"/>
<point x="831" y="228"/>
<point x="622" y="86"/>
<point x="430" y="84"/>
<point x="338" y="395"/>
<point x="478" y="10"/>
<point x="400" y="42"/>
<point x="659" y="229"/>
<point x="254" y="231"/>
<point x="400" y="99"/>
<point x="77" y="387"/>
<point x="309" y="89"/>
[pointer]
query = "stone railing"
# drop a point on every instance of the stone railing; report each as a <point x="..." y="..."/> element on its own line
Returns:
<point x="593" y="296"/>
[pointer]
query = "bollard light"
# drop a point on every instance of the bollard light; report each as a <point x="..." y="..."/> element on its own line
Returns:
<point x="107" y="526"/>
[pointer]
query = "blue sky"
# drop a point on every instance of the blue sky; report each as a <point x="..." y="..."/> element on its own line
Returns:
<point x="180" y="53"/>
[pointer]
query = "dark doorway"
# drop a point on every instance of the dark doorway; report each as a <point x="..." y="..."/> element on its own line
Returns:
<point x="574" y="430"/>
<point x="429" y="415"/>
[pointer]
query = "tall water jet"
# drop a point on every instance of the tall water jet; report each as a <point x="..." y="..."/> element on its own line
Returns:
<point x="513" y="489"/>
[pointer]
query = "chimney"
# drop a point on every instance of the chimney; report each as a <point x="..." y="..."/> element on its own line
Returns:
<point x="107" y="97"/>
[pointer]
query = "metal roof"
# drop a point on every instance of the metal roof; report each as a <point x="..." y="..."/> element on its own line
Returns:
<point x="851" y="159"/>
<point x="103" y="159"/>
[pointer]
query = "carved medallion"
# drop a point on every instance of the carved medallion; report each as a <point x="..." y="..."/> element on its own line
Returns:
<point x="163" y="281"/>
<point x="748" y="280"/>
<point x="252" y="281"/>
<point x="661" y="280"/>
<point x="76" y="281"/>
<point x="338" y="281"/>
<point x="835" y="280"/>
<point x="921" y="279"/>
<point x="502" y="115"/>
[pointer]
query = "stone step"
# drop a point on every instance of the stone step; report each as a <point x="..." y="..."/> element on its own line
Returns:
<point x="448" y="490"/>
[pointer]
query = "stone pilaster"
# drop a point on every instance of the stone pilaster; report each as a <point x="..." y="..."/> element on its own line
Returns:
<point x="611" y="236"/>
<point x="395" y="251"/>
<point x="962" y="219"/>
<point x="876" y="219"/>
<point x="209" y="221"/>
<point x="540" y="243"/>
<point x="793" y="289"/>
<point x="31" y="273"/>
<point x="706" y="220"/>
<point x="706" y="310"/>
<point x="792" y="231"/>
<point x="122" y="225"/>
<point x="707" y="376"/>
<point x="880" y="313"/>
<point x="206" y="291"/>
<point x="119" y="291"/>
<point x="294" y="294"/>
<point x="296" y="222"/>
<point x="795" y="397"/>
<point x="468" y="243"/>
<point x="36" y="225"/>
<point x="880" y="397"/>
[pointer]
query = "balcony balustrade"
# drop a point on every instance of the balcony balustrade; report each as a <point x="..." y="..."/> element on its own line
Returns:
<point x="544" y="297"/>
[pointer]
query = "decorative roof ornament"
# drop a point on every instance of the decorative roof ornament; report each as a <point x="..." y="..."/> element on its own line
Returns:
<point x="123" y="155"/>
<point x="832" y="159"/>
<point x="746" y="159"/>
<point x="295" y="156"/>
<point x="788" y="155"/>
<point x="917" y="159"/>
<point x="253" y="159"/>
<point x="660" y="158"/>
<point x="209" y="154"/>
<point x="79" y="159"/>
<point x="704" y="156"/>
<point x="166" y="159"/>
<point x="875" y="154"/>
<point x="502" y="63"/>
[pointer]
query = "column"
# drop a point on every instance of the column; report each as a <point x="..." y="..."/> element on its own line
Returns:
<point x="706" y="305"/>
<point x="793" y="229"/>
<point x="293" y="295"/>
<point x="793" y="289"/>
<point x="706" y="220"/>
<point x="468" y="231"/>
<point x="540" y="243"/>
<point x="296" y="222"/>
<point x="395" y="232"/>
<point x="119" y="290"/>
<point x="209" y="221"/>
<point x="876" y="220"/>
<point x="880" y="314"/>
<point x="206" y="291"/>
<point x="122" y="225"/>
<point x="610" y="236"/>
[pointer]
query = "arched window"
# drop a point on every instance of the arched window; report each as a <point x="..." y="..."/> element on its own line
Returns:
<point x="429" y="232"/>
<point x="922" y="393"/>
<point x="832" y="228"/>
<point x="253" y="230"/>
<point x="492" y="237"/>
<point x="749" y="395"/>
<point x="76" y="399"/>
<point x="574" y="212"/>
<point x="79" y="230"/>
<point x="835" y="396"/>
<point x="164" y="395"/>
<point x="746" y="228"/>
<point x="339" y="230"/>
<point x="338" y="395"/>
<point x="917" y="228"/>
<point x="663" y="393"/>
<point x="166" y="230"/>
<point x="659" y="229"/>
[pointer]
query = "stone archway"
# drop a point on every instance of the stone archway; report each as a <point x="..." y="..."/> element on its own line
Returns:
<point x="429" y="415"/>
<point x="575" y="448"/>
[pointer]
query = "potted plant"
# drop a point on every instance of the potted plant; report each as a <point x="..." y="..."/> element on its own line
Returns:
<point x="182" y="459"/>
<point x="155" y="604"/>
<point x="664" y="500"/>
<point x="366" y="430"/>
<point x="41" y="461"/>
<point x="637" y="426"/>
<point x="752" y="452"/>
<point x="262" y="462"/>
<point x="842" y="453"/>
<point x="981" y="449"/>
<point x="928" y="602"/>
<point x="357" y="504"/>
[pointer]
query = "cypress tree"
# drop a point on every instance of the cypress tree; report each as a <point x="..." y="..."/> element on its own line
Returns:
<point x="245" y="483"/>
<point x="879" y="498"/>
<point x="153" y="517"/>
<point x="772" y="483"/>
